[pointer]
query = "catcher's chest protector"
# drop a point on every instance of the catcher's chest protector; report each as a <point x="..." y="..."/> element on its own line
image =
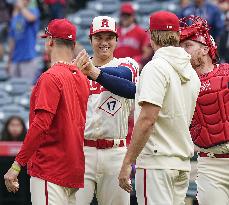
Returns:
<point x="210" y="124"/>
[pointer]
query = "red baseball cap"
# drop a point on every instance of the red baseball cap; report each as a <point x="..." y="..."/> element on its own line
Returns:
<point x="60" y="28"/>
<point x="164" y="21"/>
<point x="127" y="8"/>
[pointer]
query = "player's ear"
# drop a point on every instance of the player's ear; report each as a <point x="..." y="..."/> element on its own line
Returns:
<point x="50" y="41"/>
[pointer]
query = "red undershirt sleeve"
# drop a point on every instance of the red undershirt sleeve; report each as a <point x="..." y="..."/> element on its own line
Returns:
<point x="40" y="124"/>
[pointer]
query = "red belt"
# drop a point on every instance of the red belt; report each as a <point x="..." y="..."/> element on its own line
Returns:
<point x="212" y="155"/>
<point x="105" y="144"/>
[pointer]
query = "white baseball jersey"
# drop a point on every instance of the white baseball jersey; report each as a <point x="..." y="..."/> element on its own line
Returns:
<point x="107" y="113"/>
<point x="169" y="82"/>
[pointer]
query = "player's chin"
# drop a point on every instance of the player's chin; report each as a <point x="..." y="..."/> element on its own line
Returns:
<point x="105" y="54"/>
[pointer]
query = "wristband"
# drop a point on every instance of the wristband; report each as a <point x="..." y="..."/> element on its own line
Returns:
<point x="16" y="168"/>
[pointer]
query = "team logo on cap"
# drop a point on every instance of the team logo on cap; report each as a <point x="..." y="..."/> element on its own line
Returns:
<point x="105" y="23"/>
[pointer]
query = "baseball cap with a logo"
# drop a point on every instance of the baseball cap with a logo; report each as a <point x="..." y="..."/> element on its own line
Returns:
<point x="164" y="21"/>
<point x="60" y="28"/>
<point x="103" y="24"/>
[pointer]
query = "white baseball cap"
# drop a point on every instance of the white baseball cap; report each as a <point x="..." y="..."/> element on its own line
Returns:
<point x="103" y="24"/>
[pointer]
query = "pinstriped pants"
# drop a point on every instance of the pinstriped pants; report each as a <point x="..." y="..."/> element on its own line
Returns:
<point x="161" y="186"/>
<point x="47" y="193"/>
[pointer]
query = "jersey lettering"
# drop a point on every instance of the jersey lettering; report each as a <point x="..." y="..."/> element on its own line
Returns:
<point x="96" y="88"/>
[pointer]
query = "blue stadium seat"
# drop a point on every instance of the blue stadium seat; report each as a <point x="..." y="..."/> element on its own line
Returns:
<point x="108" y="1"/>
<point x="147" y="9"/>
<point x="12" y="109"/>
<point x="109" y="8"/>
<point x="83" y="17"/>
<point x="83" y="40"/>
<point x="17" y="86"/>
<point x="5" y="98"/>
<point x="88" y="48"/>
<point x="40" y="45"/>
<point x="144" y="1"/>
<point x="23" y="100"/>
<point x="3" y="74"/>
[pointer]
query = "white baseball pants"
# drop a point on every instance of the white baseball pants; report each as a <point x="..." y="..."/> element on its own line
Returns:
<point x="47" y="193"/>
<point x="161" y="187"/>
<point x="101" y="176"/>
<point x="213" y="181"/>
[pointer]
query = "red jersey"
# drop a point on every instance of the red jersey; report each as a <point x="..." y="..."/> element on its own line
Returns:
<point x="63" y="91"/>
<point x="131" y="42"/>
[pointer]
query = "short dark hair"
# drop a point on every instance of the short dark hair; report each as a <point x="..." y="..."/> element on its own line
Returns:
<point x="64" y="42"/>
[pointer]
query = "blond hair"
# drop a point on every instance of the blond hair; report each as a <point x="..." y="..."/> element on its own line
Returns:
<point x="165" y="38"/>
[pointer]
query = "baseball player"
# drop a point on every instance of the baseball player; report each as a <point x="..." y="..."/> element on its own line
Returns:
<point x="210" y="124"/>
<point x="165" y="102"/>
<point x="132" y="38"/>
<point x="53" y="147"/>
<point x="111" y="89"/>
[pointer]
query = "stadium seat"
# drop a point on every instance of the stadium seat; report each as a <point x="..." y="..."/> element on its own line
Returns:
<point x="108" y="8"/>
<point x="10" y="110"/>
<point x="88" y="48"/>
<point x="108" y="1"/>
<point x="17" y="86"/>
<point x="23" y="100"/>
<point x="83" y="40"/>
<point x="5" y="99"/>
<point x="144" y="1"/>
<point x="3" y="74"/>
<point x="83" y="17"/>
<point x="144" y="22"/>
<point x="146" y="9"/>
<point x="80" y="33"/>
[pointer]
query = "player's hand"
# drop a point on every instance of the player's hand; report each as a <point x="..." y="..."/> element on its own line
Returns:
<point x="124" y="178"/>
<point x="20" y="4"/>
<point x="11" y="180"/>
<point x="83" y="62"/>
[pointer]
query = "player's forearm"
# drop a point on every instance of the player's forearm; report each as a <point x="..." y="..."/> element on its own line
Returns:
<point x="140" y="137"/>
<point x="117" y="85"/>
<point x="141" y="132"/>
<point x="30" y="144"/>
<point x="120" y="71"/>
<point x="94" y="73"/>
<point x="40" y="125"/>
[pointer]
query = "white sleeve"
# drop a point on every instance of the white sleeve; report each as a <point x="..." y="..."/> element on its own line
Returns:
<point x="133" y="66"/>
<point x="153" y="85"/>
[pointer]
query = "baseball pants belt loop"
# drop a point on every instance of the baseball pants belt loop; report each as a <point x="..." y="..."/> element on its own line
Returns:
<point x="116" y="143"/>
<point x="105" y="143"/>
<point x="213" y="155"/>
